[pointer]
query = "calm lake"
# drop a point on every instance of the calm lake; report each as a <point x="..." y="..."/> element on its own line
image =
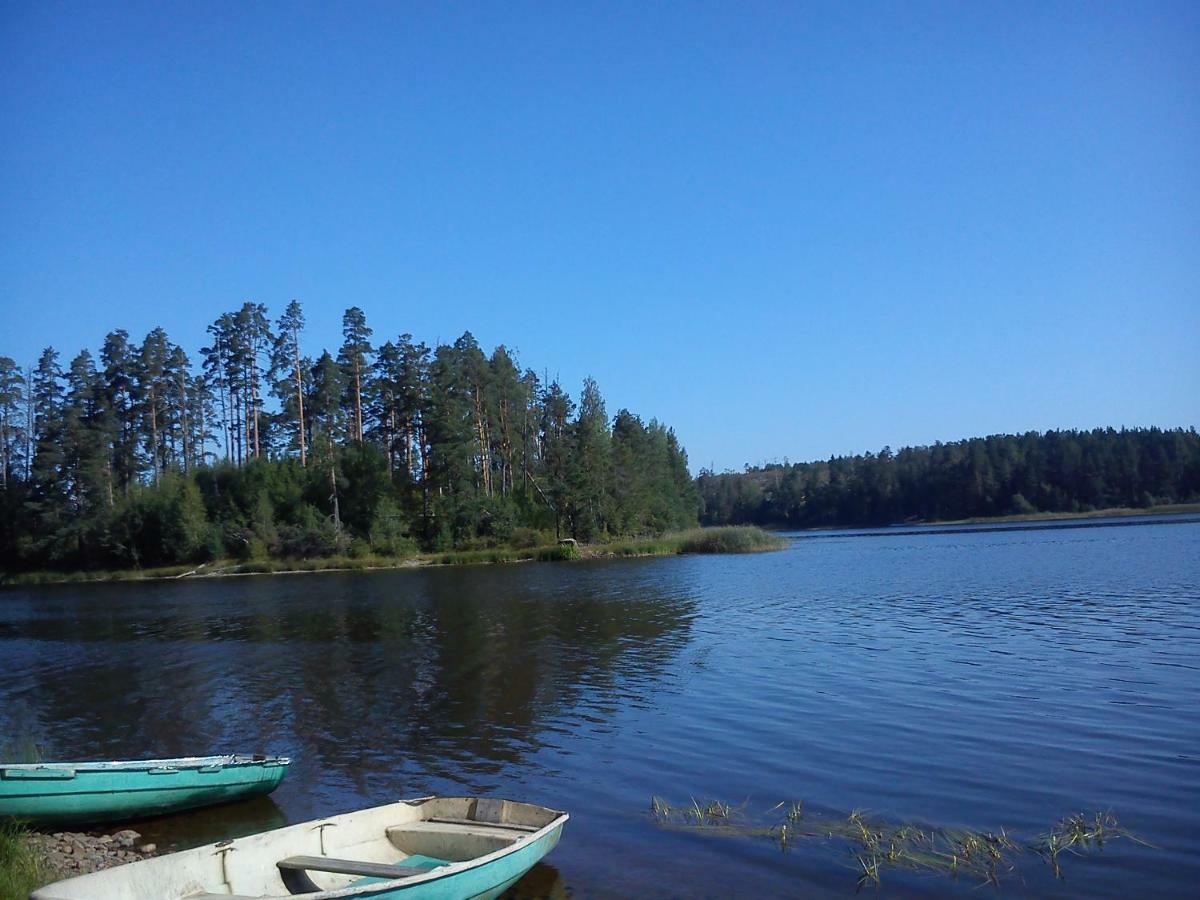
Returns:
<point x="949" y="677"/>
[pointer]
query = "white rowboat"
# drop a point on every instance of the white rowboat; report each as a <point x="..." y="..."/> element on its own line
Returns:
<point x="427" y="849"/>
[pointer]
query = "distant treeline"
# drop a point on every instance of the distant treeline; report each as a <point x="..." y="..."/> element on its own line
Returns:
<point x="1059" y="471"/>
<point x="140" y="458"/>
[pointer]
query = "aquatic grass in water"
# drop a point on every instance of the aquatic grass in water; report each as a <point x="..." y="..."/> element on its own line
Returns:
<point x="725" y="539"/>
<point x="875" y="845"/>
<point x="1077" y="835"/>
<point x="729" y="539"/>
<point x="20" y="750"/>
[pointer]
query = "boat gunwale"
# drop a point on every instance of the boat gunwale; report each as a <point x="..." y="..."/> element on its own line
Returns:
<point x="181" y="763"/>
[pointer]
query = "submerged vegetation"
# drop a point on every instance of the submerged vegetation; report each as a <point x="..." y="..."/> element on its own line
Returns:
<point x="875" y="845"/>
<point x="137" y="458"/>
<point x="1069" y="472"/>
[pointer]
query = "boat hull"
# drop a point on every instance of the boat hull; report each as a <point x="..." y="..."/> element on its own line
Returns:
<point x="484" y="882"/>
<point x="92" y="793"/>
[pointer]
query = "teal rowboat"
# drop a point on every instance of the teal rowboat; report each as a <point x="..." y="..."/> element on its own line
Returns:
<point x="427" y="849"/>
<point x="89" y="792"/>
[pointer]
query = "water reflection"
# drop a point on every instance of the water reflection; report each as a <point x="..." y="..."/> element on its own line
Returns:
<point x="213" y="823"/>
<point x="364" y="677"/>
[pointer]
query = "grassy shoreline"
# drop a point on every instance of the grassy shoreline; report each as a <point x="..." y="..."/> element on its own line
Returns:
<point x="726" y="539"/>
<point x="21" y="869"/>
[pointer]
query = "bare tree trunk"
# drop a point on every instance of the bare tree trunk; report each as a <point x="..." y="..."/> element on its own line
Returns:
<point x="485" y="454"/>
<point x="358" y="399"/>
<point x="154" y="432"/>
<point x="200" y="426"/>
<point x="28" y="423"/>
<point x="299" y="394"/>
<point x="183" y="405"/>
<point x="337" y="518"/>
<point x="506" y="476"/>
<point x="423" y="450"/>
<point x="408" y="449"/>
<point x="391" y="440"/>
<point x="254" y="402"/>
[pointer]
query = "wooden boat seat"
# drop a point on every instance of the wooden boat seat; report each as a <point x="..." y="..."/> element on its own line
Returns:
<point x="349" y="867"/>
<point x="461" y="826"/>
<point x="453" y="840"/>
<point x="442" y="820"/>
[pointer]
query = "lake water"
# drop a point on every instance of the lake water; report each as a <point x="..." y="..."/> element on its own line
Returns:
<point x="952" y="677"/>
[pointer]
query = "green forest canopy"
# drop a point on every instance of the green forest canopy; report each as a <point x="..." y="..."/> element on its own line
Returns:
<point x="140" y="458"/>
<point x="1004" y="474"/>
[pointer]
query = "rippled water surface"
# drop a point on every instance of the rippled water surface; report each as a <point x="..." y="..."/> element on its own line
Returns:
<point x="950" y="677"/>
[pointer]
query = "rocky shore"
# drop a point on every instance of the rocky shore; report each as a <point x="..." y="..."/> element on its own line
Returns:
<point x="65" y="854"/>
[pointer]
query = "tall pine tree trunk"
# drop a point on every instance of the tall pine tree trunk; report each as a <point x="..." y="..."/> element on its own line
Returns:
<point x="154" y="432"/>
<point x="28" y="423"/>
<point x="337" y="518"/>
<point x="254" y="404"/>
<point x="183" y="419"/>
<point x="481" y="432"/>
<point x="299" y="395"/>
<point x="358" y="399"/>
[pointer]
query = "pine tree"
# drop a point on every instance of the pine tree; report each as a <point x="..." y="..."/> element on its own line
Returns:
<point x="84" y="454"/>
<point x="12" y="420"/>
<point x="506" y="404"/>
<point x="475" y="377"/>
<point x="412" y="387"/>
<point x="217" y="368"/>
<point x="287" y="370"/>
<point x="591" y="468"/>
<point x="326" y="413"/>
<point x="385" y="410"/>
<point x="119" y="415"/>
<point x="252" y="346"/>
<point x="47" y="406"/>
<point x="555" y="440"/>
<point x="353" y="358"/>
<point x="150" y="377"/>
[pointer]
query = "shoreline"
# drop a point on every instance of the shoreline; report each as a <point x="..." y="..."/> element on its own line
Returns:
<point x="631" y="548"/>
<point x="31" y="858"/>
<point x="752" y="539"/>
<point x="1114" y="512"/>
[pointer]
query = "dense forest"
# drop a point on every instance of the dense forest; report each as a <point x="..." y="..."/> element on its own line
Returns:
<point x="1059" y="471"/>
<point x="140" y="457"/>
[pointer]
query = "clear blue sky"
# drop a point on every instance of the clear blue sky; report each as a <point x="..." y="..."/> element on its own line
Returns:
<point x="785" y="229"/>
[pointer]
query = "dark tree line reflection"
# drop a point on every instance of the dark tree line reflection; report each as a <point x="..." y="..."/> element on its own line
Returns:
<point x="366" y="679"/>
